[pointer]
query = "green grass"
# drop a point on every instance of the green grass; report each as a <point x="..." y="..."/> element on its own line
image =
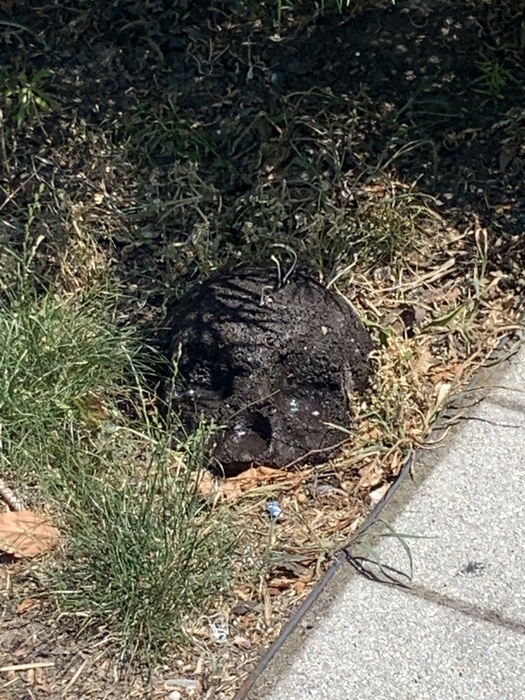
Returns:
<point x="51" y="355"/>
<point x="26" y="95"/>
<point x="495" y="80"/>
<point x="82" y="438"/>
<point x="146" y="550"/>
<point x="163" y="131"/>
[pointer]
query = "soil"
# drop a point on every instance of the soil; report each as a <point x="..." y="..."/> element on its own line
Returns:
<point x="272" y="361"/>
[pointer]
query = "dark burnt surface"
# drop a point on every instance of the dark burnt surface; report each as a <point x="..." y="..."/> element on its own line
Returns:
<point x="269" y="363"/>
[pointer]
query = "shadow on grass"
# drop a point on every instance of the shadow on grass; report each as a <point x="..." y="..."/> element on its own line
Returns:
<point x="185" y="139"/>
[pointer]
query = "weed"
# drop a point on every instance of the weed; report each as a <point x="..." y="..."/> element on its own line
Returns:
<point x="494" y="80"/>
<point x="165" y="132"/>
<point x="140" y="548"/>
<point x="51" y="354"/>
<point x="144" y="549"/>
<point x="373" y="556"/>
<point x="12" y="29"/>
<point x="26" y="96"/>
<point x="389" y="227"/>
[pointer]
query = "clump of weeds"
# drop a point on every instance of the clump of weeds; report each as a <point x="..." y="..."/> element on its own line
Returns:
<point x="83" y="440"/>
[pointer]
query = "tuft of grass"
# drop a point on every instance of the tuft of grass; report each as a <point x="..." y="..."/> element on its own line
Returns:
<point x="163" y="131"/>
<point x="389" y="227"/>
<point x="145" y="551"/>
<point x="26" y="96"/>
<point x="54" y="354"/>
<point x="82" y="438"/>
<point x="494" y="80"/>
<point x="373" y="559"/>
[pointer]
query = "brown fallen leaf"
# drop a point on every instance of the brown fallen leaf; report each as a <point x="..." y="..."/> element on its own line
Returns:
<point x="370" y="475"/>
<point x="299" y="586"/>
<point x="26" y="534"/>
<point x="26" y="604"/>
<point x="421" y="362"/>
<point x="303" y="581"/>
<point x="249" y="479"/>
<point x="235" y="486"/>
<point x="278" y="584"/>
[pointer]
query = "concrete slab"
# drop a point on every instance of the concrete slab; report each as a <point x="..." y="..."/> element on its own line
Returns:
<point x="472" y="507"/>
<point x="382" y="643"/>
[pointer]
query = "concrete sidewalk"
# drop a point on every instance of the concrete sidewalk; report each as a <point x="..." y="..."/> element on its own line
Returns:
<point x="457" y="630"/>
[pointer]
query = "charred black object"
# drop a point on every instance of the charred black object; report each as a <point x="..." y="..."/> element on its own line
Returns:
<point x="270" y="363"/>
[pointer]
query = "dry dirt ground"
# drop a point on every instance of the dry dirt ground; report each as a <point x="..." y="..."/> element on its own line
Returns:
<point x="385" y="146"/>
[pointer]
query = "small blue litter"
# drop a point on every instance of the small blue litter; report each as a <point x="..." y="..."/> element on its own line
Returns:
<point x="273" y="509"/>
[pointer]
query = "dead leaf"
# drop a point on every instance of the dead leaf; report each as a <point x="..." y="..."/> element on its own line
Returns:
<point x="420" y="315"/>
<point x="370" y="475"/>
<point x="247" y="480"/>
<point x="235" y="486"/>
<point x="442" y="391"/>
<point x="377" y="494"/>
<point x="26" y="534"/>
<point x="278" y="584"/>
<point x="299" y="586"/>
<point x="242" y="642"/>
<point x="26" y="604"/>
<point x="422" y="361"/>
<point x="395" y="464"/>
<point x="303" y="581"/>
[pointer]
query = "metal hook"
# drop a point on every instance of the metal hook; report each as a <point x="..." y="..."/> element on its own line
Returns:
<point x="282" y="280"/>
<point x="266" y="287"/>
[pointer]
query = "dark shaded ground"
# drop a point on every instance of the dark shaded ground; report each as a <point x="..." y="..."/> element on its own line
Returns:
<point x="272" y="360"/>
<point x="202" y="137"/>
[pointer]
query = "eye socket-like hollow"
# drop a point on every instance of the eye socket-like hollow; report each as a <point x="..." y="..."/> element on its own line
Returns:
<point x="252" y="426"/>
<point x="246" y="442"/>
